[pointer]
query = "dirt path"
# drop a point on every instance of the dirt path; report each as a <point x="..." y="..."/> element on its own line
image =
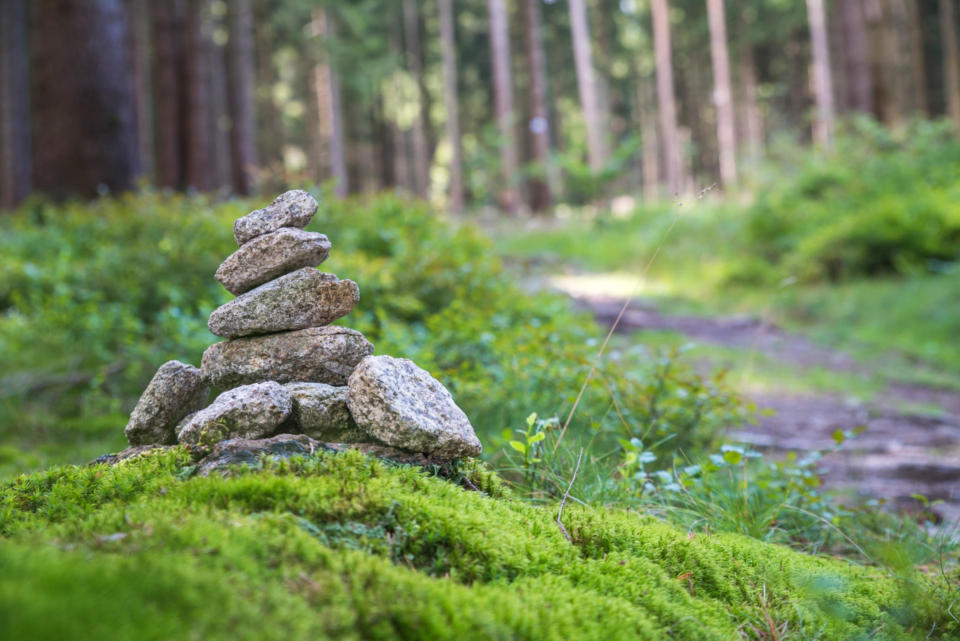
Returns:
<point x="899" y="455"/>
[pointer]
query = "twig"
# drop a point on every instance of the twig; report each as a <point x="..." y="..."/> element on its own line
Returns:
<point x="469" y="484"/>
<point x="566" y="495"/>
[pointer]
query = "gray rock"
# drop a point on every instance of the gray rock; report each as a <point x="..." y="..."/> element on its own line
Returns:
<point x="175" y="390"/>
<point x="294" y="208"/>
<point x="320" y="411"/>
<point x="271" y="255"/>
<point x="251" y="411"/>
<point x="241" y="451"/>
<point x="132" y="452"/>
<point x="317" y="355"/>
<point x="304" y="298"/>
<point x="402" y="405"/>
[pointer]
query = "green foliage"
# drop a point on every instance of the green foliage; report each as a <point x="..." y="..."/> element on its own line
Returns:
<point x="94" y="297"/>
<point x="342" y="546"/>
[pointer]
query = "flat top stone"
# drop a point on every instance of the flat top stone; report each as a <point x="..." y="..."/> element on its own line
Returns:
<point x="318" y="354"/>
<point x="293" y="208"/>
<point x="402" y="405"/>
<point x="301" y="299"/>
<point x="271" y="255"/>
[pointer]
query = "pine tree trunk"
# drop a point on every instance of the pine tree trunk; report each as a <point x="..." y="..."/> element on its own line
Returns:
<point x="167" y="31"/>
<point x="722" y="93"/>
<point x="503" y="101"/>
<point x="330" y="109"/>
<point x="951" y="64"/>
<point x="139" y="33"/>
<point x="647" y="121"/>
<point x="539" y="126"/>
<point x="823" y="85"/>
<point x="196" y="144"/>
<point x="665" y="96"/>
<point x="751" y="121"/>
<point x="587" y="85"/>
<point x="859" y="72"/>
<point x="84" y="132"/>
<point x="240" y="74"/>
<point x="219" y="113"/>
<point x="421" y="162"/>
<point x="15" y="154"/>
<point x="918" y="68"/>
<point x="448" y="50"/>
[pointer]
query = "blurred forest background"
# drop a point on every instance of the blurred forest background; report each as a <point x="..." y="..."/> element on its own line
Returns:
<point x="515" y="103"/>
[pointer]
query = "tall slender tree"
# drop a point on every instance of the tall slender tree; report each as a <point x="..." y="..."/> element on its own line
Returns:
<point x="421" y="160"/>
<point x="82" y="101"/>
<point x="240" y="74"/>
<point x="330" y="108"/>
<point x="167" y="26"/>
<point x="722" y="93"/>
<point x="539" y="125"/>
<point x="587" y="85"/>
<point x="823" y="85"/>
<point x="951" y="64"/>
<point x="196" y="145"/>
<point x="856" y="53"/>
<point x="15" y="160"/>
<point x="918" y="68"/>
<point x="451" y="100"/>
<point x="503" y="101"/>
<point x="138" y="13"/>
<point x="751" y="119"/>
<point x="669" y="135"/>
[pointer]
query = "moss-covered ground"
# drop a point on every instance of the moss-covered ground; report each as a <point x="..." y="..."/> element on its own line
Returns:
<point x="343" y="546"/>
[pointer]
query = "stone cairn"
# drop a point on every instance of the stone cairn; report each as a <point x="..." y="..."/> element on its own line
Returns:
<point x="288" y="381"/>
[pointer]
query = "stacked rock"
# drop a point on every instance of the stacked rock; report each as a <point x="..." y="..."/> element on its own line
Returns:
<point x="285" y="370"/>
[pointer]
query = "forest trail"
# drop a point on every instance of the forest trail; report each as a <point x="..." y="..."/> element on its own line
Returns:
<point x="901" y="452"/>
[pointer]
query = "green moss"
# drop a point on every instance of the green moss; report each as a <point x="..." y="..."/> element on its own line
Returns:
<point x="344" y="546"/>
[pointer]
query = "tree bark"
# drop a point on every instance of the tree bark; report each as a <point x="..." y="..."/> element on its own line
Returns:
<point x="539" y="125"/>
<point x="647" y="121"/>
<point x="329" y="106"/>
<point x="84" y="136"/>
<point x="139" y="32"/>
<point x="421" y="161"/>
<point x="823" y="85"/>
<point x="751" y="122"/>
<point x="196" y="143"/>
<point x="587" y="85"/>
<point x="722" y="93"/>
<point x="859" y="73"/>
<point x="167" y="31"/>
<point x="15" y="160"/>
<point x="951" y="64"/>
<point x="219" y="110"/>
<point x="665" y="96"/>
<point x="918" y="68"/>
<point x="503" y="101"/>
<point x="240" y="73"/>
<point x="448" y="50"/>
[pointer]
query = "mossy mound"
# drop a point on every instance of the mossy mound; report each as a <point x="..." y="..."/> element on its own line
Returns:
<point x="344" y="546"/>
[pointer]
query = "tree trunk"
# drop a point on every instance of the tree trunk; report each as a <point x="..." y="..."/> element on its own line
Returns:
<point x="647" y="121"/>
<point x="918" y="68"/>
<point x="240" y="73"/>
<point x="503" y="101"/>
<point x="167" y="31"/>
<point x="722" y="94"/>
<point x="539" y="126"/>
<point x="951" y="65"/>
<point x="448" y="50"/>
<point x="751" y="121"/>
<point x="823" y="85"/>
<point x="859" y="73"/>
<point x="15" y="161"/>
<point x="330" y="109"/>
<point x="84" y="136"/>
<point x="665" y="97"/>
<point x="196" y="144"/>
<point x="421" y="161"/>
<point x="587" y="85"/>
<point x="138" y="14"/>
<point x="219" y="112"/>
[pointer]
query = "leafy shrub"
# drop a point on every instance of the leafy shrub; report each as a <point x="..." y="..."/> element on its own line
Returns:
<point x="879" y="203"/>
<point x="94" y="297"/>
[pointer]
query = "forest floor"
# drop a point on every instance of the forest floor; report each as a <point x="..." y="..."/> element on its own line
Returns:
<point x="805" y="391"/>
